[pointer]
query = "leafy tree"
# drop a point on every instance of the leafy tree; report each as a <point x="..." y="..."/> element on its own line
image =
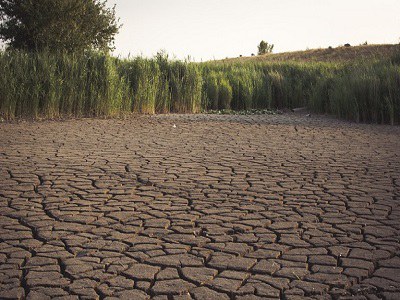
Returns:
<point x="58" y="25"/>
<point x="264" y="48"/>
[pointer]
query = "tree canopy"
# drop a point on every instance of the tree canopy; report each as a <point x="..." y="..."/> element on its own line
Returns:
<point x="264" y="48"/>
<point x="58" y="25"/>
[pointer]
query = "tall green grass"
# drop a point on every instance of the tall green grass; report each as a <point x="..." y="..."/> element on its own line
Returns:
<point x="161" y="86"/>
<point x="43" y="85"/>
<point x="266" y="85"/>
<point x="364" y="91"/>
<point x="36" y="85"/>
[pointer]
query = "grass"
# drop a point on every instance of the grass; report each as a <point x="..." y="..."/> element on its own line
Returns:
<point x="42" y="85"/>
<point x="337" y="54"/>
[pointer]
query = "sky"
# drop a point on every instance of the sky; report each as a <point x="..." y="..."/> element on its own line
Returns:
<point x="215" y="29"/>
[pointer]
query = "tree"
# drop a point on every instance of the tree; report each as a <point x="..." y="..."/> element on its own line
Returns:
<point x="264" y="48"/>
<point x="58" y="25"/>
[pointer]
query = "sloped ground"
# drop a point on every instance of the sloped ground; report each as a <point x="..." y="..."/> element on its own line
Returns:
<point x="216" y="207"/>
<point x="336" y="54"/>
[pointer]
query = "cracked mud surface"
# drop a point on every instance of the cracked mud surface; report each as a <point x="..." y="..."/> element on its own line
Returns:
<point x="220" y="207"/>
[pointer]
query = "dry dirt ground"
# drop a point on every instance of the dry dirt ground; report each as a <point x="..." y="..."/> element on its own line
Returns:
<point x="216" y="207"/>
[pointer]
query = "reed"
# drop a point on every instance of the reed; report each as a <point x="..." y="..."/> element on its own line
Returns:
<point x="41" y="85"/>
<point x="186" y="85"/>
<point x="44" y="85"/>
<point x="211" y="87"/>
<point x="363" y="91"/>
<point x="225" y="93"/>
<point x="366" y="93"/>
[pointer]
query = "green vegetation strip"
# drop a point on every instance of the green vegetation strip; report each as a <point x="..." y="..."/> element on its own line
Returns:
<point x="45" y="85"/>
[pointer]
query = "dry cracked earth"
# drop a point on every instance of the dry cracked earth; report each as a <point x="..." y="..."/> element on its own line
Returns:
<point x="216" y="207"/>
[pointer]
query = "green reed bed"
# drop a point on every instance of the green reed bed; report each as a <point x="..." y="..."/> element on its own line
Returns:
<point x="161" y="86"/>
<point x="264" y="85"/>
<point x="44" y="85"/>
<point x="144" y="79"/>
<point x="364" y="91"/>
<point x="185" y="84"/>
<point x="49" y="86"/>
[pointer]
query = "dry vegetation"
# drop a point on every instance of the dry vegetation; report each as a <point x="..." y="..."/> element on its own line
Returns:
<point x="339" y="54"/>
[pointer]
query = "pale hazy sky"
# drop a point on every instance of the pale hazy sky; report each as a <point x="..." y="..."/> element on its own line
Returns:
<point x="207" y="29"/>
